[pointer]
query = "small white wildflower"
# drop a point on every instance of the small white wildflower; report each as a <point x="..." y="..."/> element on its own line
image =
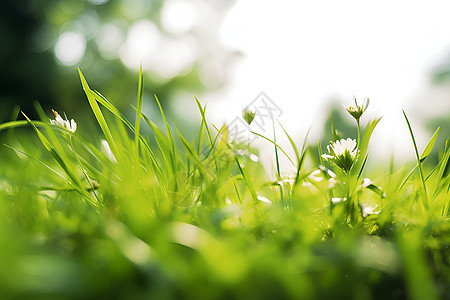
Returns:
<point x="338" y="200"/>
<point x="264" y="200"/>
<point x="366" y="182"/>
<point x="59" y="121"/>
<point x="286" y="180"/>
<point x="369" y="210"/>
<point x="240" y="152"/>
<point x="313" y="176"/>
<point x="254" y="157"/>
<point x="228" y="201"/>
<point x="107" y="151"/>
<point x="331" y="173"/>
<point x="343" y="153"/>
<point x="357" y="110"/>
<point x="332" y="183"/>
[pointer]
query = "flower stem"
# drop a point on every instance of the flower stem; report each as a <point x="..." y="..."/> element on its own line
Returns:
<point x="359" y="135"/>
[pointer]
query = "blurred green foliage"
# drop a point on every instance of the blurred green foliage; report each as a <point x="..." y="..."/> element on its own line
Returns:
<point x="31" y="29"/>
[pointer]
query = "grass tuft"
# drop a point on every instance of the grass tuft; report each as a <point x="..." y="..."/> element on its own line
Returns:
<point x="163" y="216"/>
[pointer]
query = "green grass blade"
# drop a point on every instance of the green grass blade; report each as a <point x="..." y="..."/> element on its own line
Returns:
<point x="301" y="159"/>
<point x="205" y="123"/>
<point x="166" y="124"/>
<point x="173" y="155"/>
<point x="41" y="163"/>
<point x="364" y="145"/>
<point x="406" y="178"/>
<point x="191" y="151"/>
<point x="362" y="168"/>
<point x="429" y="146"/>
<point x="445" y="166"/>
<point x="297" y="155"/>
<point x="419" y="163"/>
<point x="62" y="161"/>
<point x="247" y="181"/>
<point x="139" y="108"/>
<point x="319" y="150"/>
<point x="276" y="145"/>
<point x="99" y="116"/>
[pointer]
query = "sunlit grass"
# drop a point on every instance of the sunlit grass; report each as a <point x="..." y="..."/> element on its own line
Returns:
<point x="143" y="216"/>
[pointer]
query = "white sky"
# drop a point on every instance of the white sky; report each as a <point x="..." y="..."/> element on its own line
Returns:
<point x="302" y="53"/>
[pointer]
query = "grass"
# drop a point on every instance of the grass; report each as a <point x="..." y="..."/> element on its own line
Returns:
<point x="146" y="213"/>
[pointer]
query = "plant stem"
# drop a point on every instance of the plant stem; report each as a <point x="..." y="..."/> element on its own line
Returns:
<point x="359" y="135"/>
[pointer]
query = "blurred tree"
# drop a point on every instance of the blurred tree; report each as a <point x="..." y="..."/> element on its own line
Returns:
<point x="26" y="75"/>
<point x="44" y="42"/>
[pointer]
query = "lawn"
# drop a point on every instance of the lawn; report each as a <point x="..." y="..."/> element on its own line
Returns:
<point x="144" y="212"/>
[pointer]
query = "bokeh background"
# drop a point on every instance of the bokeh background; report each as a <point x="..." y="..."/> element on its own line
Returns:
<point x="308" y="57"/>
<point x="44" y="42"/>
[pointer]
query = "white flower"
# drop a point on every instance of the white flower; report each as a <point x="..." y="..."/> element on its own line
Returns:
<point x="343" y="153"/>
<point x="357" y="110"/>
<point x="264" y="200"/>
<point x="369" y="210"/>
<point x="331" y="174"/>
<point x="313" y="176"/>
<point x="290" y="181"/>
<point x="331" y="183"/>
<point x="338" y="200"/>
<point x="107" y="151"/>
<point x="366" y="182"/>
<point x="71" y="126"/>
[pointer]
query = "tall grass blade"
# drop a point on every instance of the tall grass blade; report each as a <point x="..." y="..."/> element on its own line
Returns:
<point x="173" y="156"/>
<point x="319" y="150"/>
<point x="41" y="163"/>
<point x="62" y="161"/>
<point x="139" y="108"/>
<point x="166" y="124"/>
<point x="276" y="145"/>
<point x="205" y="123"/>
<point x="419" y="163"/>
<point x="297" y="155"/>
<point x="429" y="146"/>
<point x="364" y="145"/>
<point x="99" y="116"/>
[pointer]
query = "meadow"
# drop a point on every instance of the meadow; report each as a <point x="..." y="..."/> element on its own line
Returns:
<point x="160" y="215"/>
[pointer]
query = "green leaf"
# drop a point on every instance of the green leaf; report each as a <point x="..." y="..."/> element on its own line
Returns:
<point x="429" y="146"/>
<point x="376" y="190"/>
